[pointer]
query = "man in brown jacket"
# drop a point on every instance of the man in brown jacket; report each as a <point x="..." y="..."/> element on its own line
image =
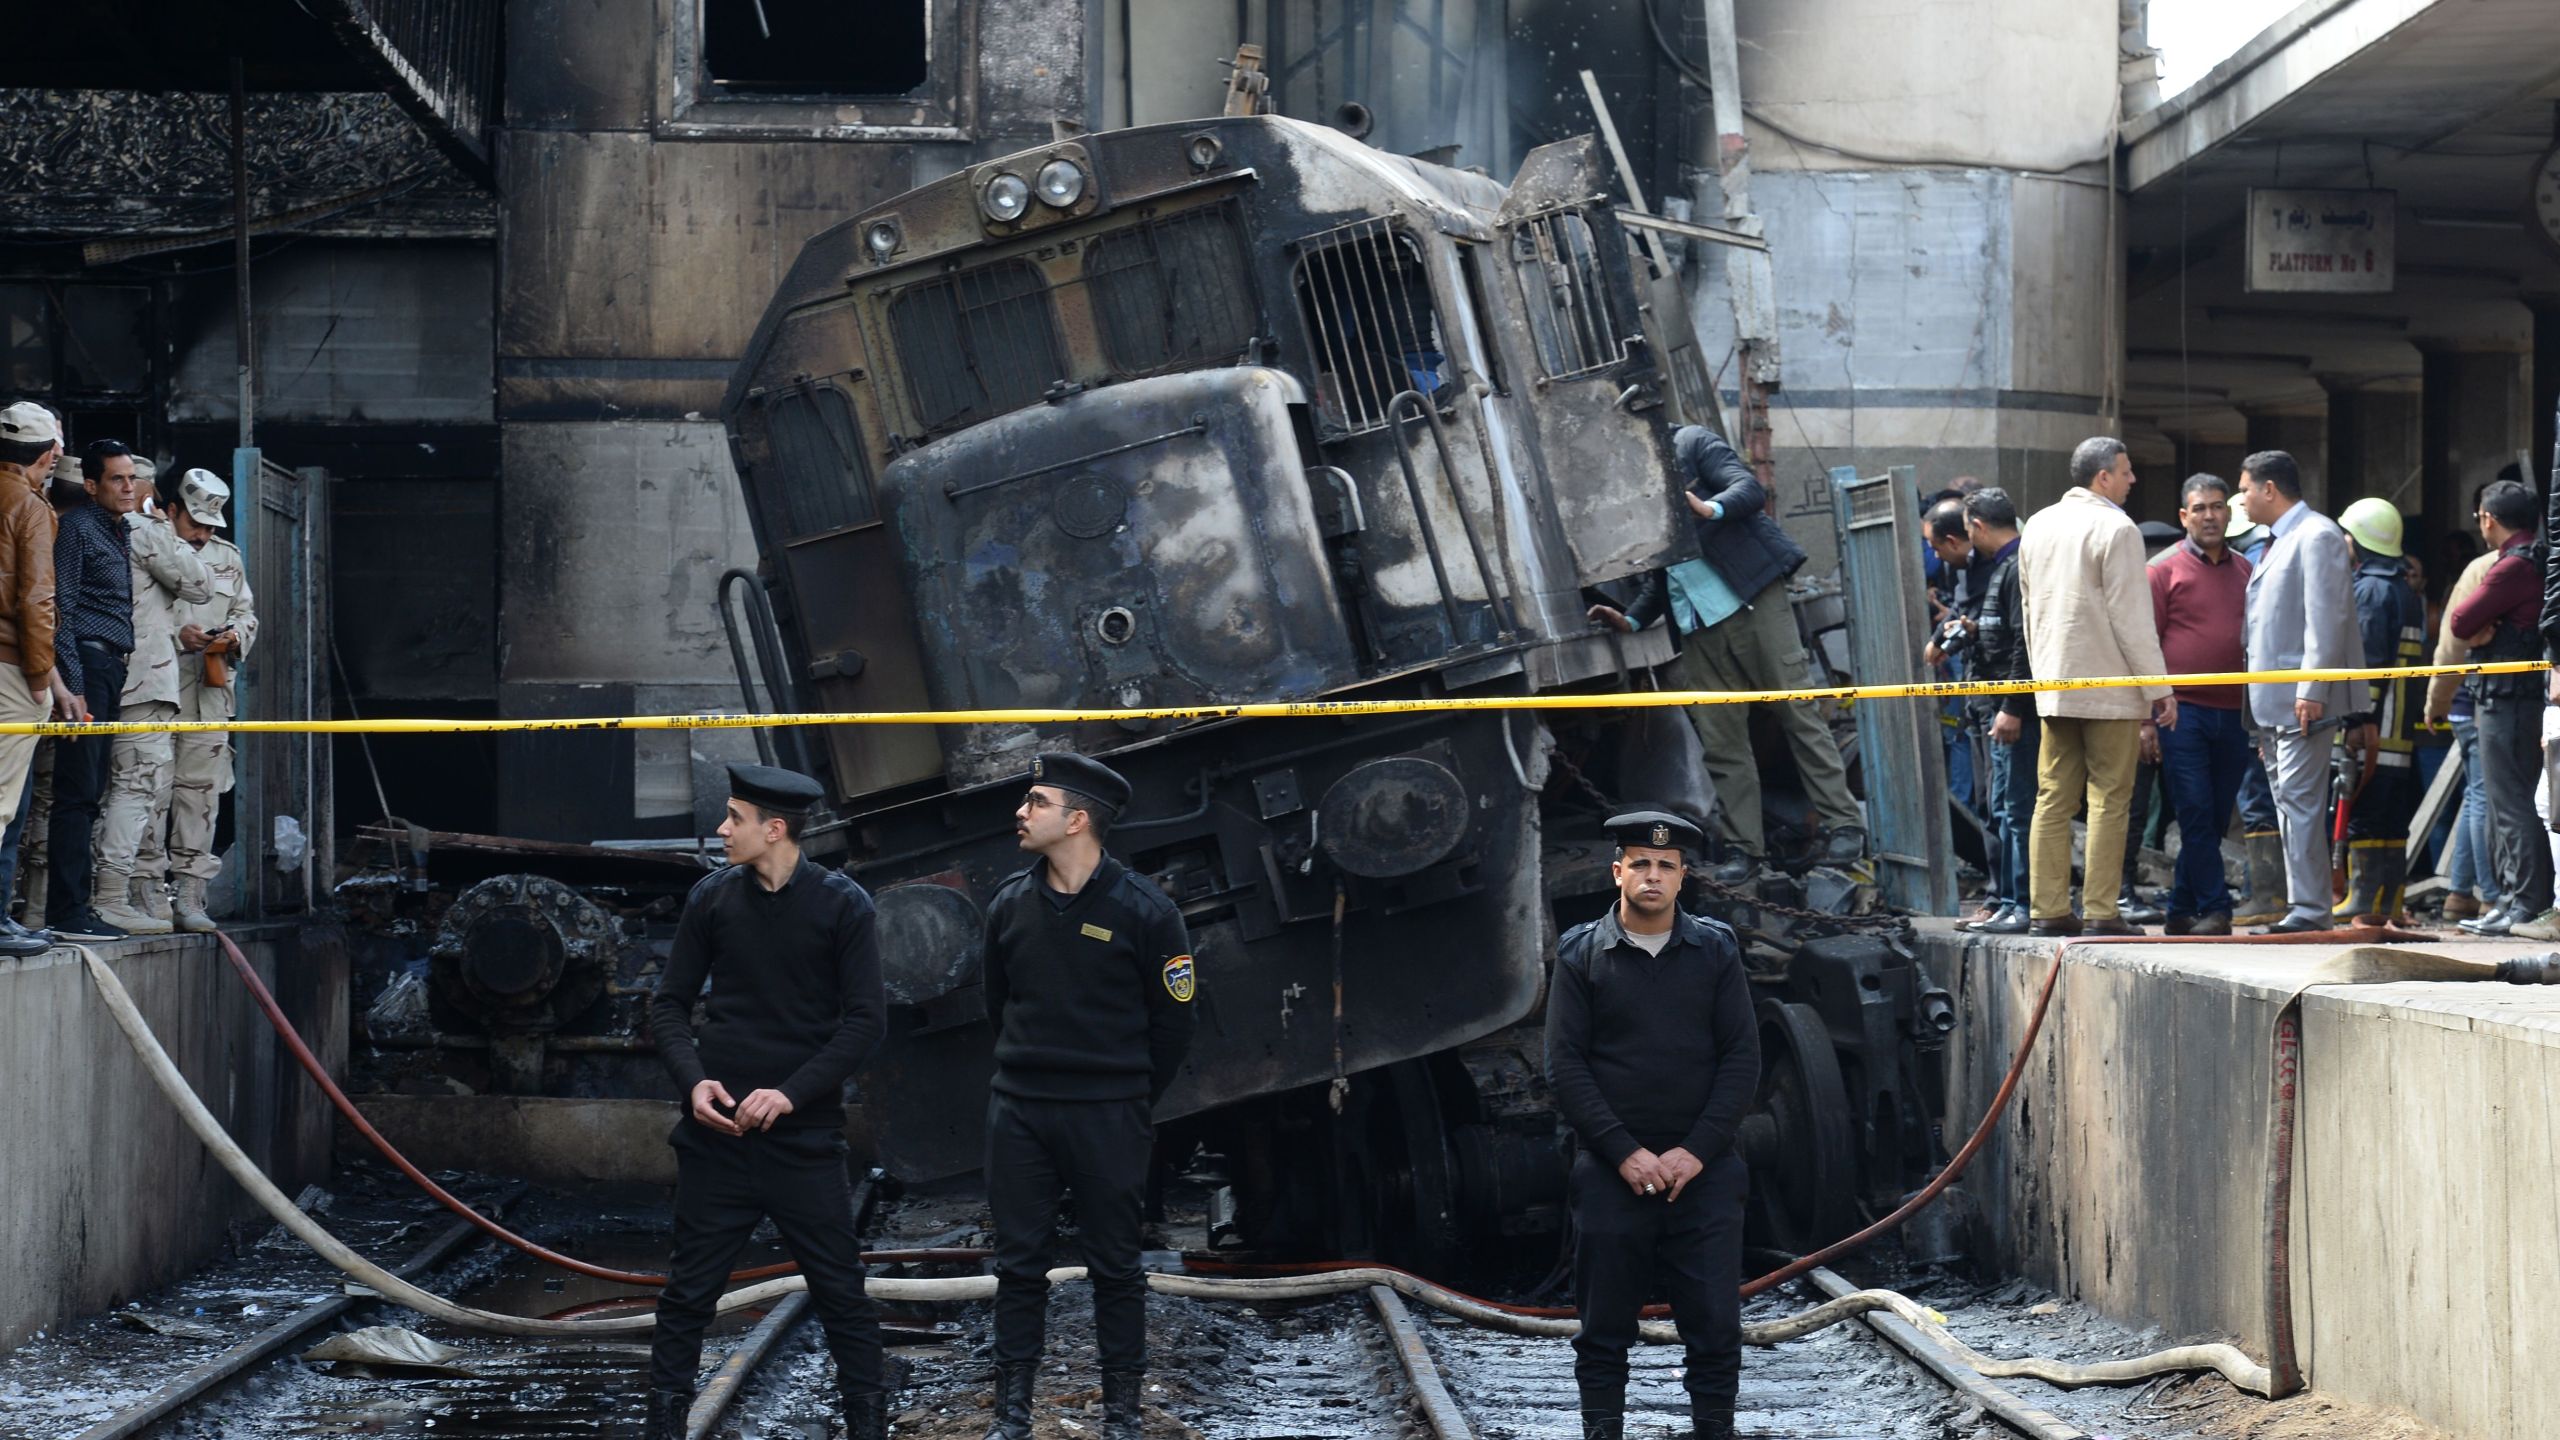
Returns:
<point x="2088" y="603"/>
<point x="30" y="441"/>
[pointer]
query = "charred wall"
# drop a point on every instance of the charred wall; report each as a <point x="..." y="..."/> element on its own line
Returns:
<point x="653" y="189"/>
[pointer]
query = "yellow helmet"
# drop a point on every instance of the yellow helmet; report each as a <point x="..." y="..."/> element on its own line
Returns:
<point x="2375" y="522"/>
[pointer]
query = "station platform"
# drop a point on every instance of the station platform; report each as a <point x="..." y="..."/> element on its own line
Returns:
<point x="103" y="1192"/>
<point x="2131" y="1168"/>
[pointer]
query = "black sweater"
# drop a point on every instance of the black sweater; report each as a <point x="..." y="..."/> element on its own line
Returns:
<point x="1651" y="1052"/>
<point x="796" y="1003"/>
<point x="1090" y="999"/>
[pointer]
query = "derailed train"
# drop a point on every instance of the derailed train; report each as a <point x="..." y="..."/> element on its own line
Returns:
<point x="1242" y="410"/>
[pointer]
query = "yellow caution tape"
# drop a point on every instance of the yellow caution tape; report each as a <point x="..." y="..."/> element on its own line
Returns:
<point x="1261" y="710"/>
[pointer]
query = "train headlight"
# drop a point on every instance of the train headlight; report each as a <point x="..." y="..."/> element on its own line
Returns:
<point x="882" y="239"/>
<point x="1204" y="151"/>
<point x="1005" y="197"/>
<point x="1061" y="183"/>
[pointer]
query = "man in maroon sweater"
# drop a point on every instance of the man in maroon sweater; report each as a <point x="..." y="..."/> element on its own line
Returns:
<point x="2199" y="589"/>
<point x="2501" y="620"/>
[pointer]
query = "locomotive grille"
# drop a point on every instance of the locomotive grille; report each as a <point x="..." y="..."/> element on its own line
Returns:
<point x="978" y="343"/>
<point x="1368" y="310"/>
<point x="1172" y="293"/>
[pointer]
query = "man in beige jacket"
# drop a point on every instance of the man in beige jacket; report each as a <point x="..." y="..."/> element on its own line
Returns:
<point x="2088" y="604"/>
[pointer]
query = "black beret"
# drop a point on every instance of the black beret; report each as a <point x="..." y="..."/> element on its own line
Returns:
<point x="774" y="790"/>
<point x="1091" y="779"/>
<point x="1654" y="829"/>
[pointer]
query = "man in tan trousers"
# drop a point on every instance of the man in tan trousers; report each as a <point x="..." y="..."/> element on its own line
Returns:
<point x="2088" y="604"/>
<point x="166" y="575"/>
<point x="226" y="624"/>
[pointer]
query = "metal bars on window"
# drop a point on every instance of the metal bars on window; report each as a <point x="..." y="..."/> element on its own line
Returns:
<point x="1565" y="294"/>
<point x="818" y="481"/>
<point x="977" y="343"/>
<point x="1370" y="320"/>
<point x="1172" y="293"/>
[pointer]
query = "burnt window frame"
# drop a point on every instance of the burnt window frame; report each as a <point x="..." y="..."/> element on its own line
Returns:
<point x="992" y="404"/>
<point x="1594" y="349"/>
<point x="1325" y="348"/>
<point x="944" y="107"/>
<point x="1246" y="311"/>
<point x="858" y="494"/>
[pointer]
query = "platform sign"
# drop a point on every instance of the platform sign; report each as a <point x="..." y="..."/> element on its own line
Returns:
<point x="2336" y="242"/>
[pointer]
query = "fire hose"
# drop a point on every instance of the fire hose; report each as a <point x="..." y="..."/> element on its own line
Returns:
<point x="2225" y="1359"/>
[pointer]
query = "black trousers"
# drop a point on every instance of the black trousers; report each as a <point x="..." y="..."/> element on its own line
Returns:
<point x="725" y="1185"/>
<point x="80" y="772"/>
<point x="2388" y="801"/>
<point x="1037" y="1152"/>
<point x="2511" y="760"/>
<point x="1627" y="1246"/>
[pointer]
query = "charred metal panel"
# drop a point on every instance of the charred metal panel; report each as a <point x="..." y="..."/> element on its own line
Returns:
<point x="1153" y="544"/>
<point x="437" y="58"/>
<point x="1904" y="756"/>
<point x="632" y="272"/>
<point x="579" y="65"/>
<point x="346" y="334"/>
<point x="417" y="589"/>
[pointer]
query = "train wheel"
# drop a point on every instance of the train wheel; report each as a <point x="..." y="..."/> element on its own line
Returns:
<point x="1801" y="1141"/>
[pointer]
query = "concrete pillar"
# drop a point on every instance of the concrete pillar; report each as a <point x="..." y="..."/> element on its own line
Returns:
<point x="2474" y="421"/>
<point x="2303" y="434"/>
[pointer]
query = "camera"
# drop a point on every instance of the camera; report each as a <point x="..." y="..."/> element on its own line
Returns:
<point x="1953" y="637"/>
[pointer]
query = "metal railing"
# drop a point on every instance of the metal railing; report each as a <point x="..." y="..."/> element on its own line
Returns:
<point x="1371" y="323"/>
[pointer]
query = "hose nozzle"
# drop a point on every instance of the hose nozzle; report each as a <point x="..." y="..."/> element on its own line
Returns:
<point x="2543" y="969"/>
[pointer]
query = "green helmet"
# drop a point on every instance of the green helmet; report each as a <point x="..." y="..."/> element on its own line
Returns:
<point x="2375" y="522"/>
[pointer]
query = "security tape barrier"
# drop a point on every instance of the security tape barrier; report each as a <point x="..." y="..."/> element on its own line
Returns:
<point x="1262" y="710"/>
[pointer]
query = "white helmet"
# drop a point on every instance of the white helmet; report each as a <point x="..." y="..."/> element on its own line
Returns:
<point x="203" y="493"/>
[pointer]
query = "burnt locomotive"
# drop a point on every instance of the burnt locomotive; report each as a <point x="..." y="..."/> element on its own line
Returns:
<point x="1236" y="410"/>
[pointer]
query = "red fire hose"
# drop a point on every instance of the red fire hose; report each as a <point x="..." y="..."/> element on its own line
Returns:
<point x="320" y="1075"/>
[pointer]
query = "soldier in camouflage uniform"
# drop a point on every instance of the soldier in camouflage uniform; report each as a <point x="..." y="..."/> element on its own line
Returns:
<point x="226" y="624"/>
<point x="167" y="574"/>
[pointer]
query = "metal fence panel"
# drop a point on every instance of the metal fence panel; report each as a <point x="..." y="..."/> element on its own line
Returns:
<point x="1903" y="756"/>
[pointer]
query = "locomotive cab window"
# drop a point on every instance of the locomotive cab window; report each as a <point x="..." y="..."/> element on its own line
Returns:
<point x="1565" y="294"/>
<point x="819" y="480"/>
<point x="1372" y="325"/>
<point x="976" y="344"/>
<point x="1173" y="293"/>
<point x="815" y="47"/>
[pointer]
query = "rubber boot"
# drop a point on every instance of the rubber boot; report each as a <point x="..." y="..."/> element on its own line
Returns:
<point x="113" y="903"/>
<point x="668" y="1411"/>
<point x="190" y="907"/>
<point x="1123" y="1404"/>
<point x="1603" y="1425"/>
<point x="2266" y="903"/>
<point x="866" y="1414"/>
<point x="2364" y="886"/>
<point x="1013" y="1401"/>
<point x="151" y="897"/>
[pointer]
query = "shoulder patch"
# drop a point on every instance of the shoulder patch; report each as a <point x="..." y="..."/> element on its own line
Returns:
<point x="1179" y="978"/>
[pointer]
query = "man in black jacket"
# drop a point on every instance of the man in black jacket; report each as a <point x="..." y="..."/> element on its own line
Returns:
<point x="1653" y="1058"/>
<point x="2000" y="653"/>
<point x="791" y="952"/>
<point x="1089" y="981"/>
<point x="1738" y="632"/>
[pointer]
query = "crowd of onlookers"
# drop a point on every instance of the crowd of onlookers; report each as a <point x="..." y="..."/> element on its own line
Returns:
<point x="2325" y="776"/>
<point x="119" y="599"/>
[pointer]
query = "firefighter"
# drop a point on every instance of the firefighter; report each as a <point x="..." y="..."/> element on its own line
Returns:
<point x="1653" y="1058"/>
<point x="791" y="953"/>
<point x="222" y="629"/>
<point x="1089" y="984"/>
<point x="2391" y="617"/>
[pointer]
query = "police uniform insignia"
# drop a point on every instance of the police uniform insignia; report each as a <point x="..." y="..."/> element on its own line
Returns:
<point x="1661" y="834"/>
<point x="1178" y="979"/>
<point x="1037" y="768"/>
<point x="1095" y="932"/>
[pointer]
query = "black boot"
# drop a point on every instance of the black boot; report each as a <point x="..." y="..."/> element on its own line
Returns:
<point x="1123" y="1404"/>
<point x="1013" y="1401"/>
<point x="668" y="1411"/>
<point x="866" y="1415"/>
<point x="1710" y="1422"/>
<point x="1603" y="1425"/>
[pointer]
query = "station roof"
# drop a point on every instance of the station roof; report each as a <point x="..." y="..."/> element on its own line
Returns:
<point x="2448" y="103"/>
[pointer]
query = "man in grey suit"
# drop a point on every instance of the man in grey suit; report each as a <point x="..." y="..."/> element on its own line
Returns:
<point x="2302" y="616"/>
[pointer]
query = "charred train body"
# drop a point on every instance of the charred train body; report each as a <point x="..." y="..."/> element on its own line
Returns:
<point x="1235" y="410"/>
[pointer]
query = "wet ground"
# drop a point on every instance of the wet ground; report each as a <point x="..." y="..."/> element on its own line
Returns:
<point x="1319" y="1371"/>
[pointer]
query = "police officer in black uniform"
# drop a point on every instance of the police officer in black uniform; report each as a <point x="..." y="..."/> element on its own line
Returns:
<point x="1653" y="1058"/>
<point x="791" y="952"/>
<point x="1089" y="979"/>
